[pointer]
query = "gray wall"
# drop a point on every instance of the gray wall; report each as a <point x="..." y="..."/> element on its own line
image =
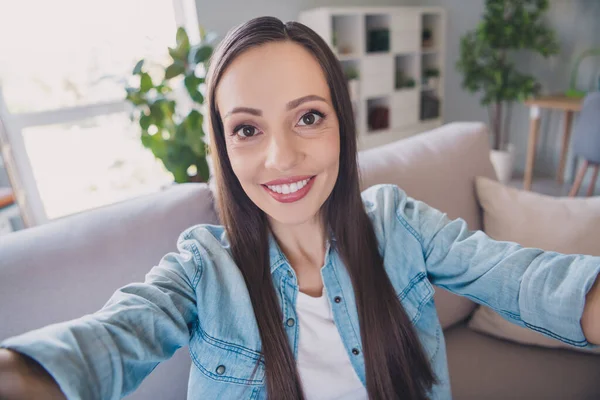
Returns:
<point x="222" y="15"/>
<point x="576" y="23"/>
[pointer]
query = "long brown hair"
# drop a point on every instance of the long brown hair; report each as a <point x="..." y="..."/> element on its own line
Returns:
<point x="396" y="365"/>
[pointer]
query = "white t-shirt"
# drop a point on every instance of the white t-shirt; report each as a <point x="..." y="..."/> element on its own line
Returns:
<point x="323" y="363"/>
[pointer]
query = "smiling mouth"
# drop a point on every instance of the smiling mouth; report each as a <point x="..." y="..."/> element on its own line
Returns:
<point x="289" y="190"/>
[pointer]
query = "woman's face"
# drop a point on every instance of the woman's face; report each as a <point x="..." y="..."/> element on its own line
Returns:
<point x="281" y="130"/>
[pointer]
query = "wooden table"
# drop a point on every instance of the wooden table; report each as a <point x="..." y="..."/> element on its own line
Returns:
<point x="561" y="102"/>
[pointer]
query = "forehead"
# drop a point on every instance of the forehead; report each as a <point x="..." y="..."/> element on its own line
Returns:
<point x="269" y="76"/>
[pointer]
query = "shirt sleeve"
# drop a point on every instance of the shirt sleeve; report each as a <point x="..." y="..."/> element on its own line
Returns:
<point x="542" y="290"/>
<point x="106" y="355"/>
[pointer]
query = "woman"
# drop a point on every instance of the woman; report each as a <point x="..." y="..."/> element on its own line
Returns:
<point x="310" y="289"/>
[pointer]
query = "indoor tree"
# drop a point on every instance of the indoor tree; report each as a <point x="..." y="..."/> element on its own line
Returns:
<point x="486" y="58"/>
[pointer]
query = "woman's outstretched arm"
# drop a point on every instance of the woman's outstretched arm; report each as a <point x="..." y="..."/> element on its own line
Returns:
<point x="590" y="321"/>
<point x="542" y="290"/>
<point x="106" y="355"/>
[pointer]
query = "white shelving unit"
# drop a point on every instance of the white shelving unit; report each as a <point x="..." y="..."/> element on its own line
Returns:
<point x="396" y="52"/>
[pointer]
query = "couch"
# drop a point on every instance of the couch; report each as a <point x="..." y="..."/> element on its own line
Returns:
<point x="71" y="266"/>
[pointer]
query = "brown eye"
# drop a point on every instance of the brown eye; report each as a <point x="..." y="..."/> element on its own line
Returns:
<point x="310" y="118"/>
<point x="246" y="131"/>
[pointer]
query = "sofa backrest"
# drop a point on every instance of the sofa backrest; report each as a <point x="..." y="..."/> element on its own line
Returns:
<point x="437" y="167"/>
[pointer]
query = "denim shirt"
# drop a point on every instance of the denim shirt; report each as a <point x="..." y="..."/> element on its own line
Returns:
<point x="197" y="297"/>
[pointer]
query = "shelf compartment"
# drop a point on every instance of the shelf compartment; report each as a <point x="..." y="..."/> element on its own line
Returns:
<point x="378" y="114"/>
<point x="430" y="106"/>
<point x="431" y="30"/>
<point x="345" y="35"/>
<point x="377" y="33"/>
<point x="406" y="71"/>
<point x="431" y="72"/>
<point x="352" y="73"/>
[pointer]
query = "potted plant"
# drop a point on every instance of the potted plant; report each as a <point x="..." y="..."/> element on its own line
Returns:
<point x="352" y="76"/>
<point x="486" y="64"/>
<point x="168" y="108"/>
<point x="431" y="78"/>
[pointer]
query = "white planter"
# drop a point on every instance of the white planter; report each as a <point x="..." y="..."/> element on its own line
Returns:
<point x="503" y="162"/>
<point x="353" y="88"/>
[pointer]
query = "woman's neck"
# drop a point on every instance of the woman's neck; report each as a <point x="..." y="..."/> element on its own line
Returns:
<point x="303" y="244"/>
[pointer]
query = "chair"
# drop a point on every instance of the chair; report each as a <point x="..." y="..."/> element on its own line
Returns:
<point x="586" y="141"/>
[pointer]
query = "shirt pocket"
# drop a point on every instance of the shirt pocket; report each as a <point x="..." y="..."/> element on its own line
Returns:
<point x="225" y="362"/>
<point x="415" y="296"/>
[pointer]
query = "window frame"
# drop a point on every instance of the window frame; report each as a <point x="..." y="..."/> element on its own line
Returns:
<point x="12" y="145"/>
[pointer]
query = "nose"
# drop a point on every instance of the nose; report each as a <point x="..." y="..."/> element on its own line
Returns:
<point x="283" y="154"/>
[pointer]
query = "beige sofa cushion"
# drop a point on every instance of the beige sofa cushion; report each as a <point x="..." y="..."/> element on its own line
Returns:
<point x="483" y="367"/>
<point x="566" y="225"/>
<point x="439" y="168"/>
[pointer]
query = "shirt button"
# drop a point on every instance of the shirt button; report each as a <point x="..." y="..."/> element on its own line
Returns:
<point x="355" y="351"/>
<point x="337" y="299"/>
<point x="221" y="369"/>
<point x="290" y="322"/>
<point x="290" y="274"/>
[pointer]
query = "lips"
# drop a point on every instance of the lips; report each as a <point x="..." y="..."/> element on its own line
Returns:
<point x="289" y="190"/>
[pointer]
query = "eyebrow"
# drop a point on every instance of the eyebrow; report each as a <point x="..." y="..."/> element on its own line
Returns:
<point x="289" y="106"/>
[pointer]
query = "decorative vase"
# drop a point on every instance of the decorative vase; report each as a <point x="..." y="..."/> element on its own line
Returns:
<point x="503" y="162"/>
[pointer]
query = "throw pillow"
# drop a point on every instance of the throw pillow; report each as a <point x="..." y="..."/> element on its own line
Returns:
<point x="563" y="224"/>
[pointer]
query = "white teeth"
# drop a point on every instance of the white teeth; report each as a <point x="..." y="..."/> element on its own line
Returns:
<point x="292" y="188"/>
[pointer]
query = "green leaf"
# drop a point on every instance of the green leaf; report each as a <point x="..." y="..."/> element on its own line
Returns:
<point x="167" y="108"/>
<point x="177" y="55"/>
<point x="183" y="41"/>
<point x="191" y="84"/>
<point x="181" y="51"/>
<point x="175" y="69"/>
<point x="190" y="133"/>
<point x="156" y="110"/>
<point x="147" y="140"/>
<point x="180" y="174"/>
<point x="138" y="67"/>
<point x="145" y="83"/>
<point x="145" y="121"/>
<point x="135" y="98"/>
<point x="202" y="54"/>
<point x="194" y="119"/>
<point x="198" y="97"/>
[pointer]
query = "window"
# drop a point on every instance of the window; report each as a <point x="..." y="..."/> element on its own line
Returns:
<point x="63" y="68"/>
